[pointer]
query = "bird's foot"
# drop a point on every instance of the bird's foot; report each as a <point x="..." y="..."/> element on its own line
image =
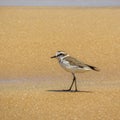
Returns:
<point x="71" y="90"/>
<point x="67" y="90"/>
<point x="76" y="90"/>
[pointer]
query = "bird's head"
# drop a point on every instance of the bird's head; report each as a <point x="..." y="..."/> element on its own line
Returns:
<point x="59" y="55"/>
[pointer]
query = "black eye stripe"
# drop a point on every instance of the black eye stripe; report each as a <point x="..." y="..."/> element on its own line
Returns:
<point x="60" y="54"/>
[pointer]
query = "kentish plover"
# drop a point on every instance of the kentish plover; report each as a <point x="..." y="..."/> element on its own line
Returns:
<point x="72" y="65"/>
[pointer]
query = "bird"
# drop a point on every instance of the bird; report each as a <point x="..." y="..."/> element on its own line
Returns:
<point x="72" y="65"/>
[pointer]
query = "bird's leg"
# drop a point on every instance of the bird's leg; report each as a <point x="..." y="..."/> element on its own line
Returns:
<point x="75" y="84"/>
<point x="72" y="82"/>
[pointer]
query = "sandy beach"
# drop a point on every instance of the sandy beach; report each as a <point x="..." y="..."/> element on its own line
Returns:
<point x="31" y="83"/>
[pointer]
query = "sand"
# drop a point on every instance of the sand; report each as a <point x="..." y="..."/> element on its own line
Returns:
<point x="31" y="83"/>
<point x="34" y="104"/>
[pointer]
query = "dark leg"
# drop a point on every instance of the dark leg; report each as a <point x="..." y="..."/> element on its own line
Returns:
<point x="75" y="85"/>
<point x="72" y="82"/>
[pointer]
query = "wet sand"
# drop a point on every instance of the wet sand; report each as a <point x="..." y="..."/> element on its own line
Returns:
<point x="31" y="83"/>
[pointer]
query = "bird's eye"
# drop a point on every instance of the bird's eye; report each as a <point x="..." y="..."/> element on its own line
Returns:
<point x="60" y="54"/>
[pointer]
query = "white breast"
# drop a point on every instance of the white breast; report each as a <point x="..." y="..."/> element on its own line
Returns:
<point x="71" y="68"/>
<point x="64" y="63"/>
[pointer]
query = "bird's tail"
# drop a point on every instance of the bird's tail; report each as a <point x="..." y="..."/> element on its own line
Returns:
<point x="93" y="68"/>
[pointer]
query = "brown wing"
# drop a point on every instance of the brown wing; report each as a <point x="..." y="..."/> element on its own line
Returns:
<point x="75" y="62"/>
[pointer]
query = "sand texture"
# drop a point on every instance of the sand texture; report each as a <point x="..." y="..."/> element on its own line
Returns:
<point x="31" y="83"/>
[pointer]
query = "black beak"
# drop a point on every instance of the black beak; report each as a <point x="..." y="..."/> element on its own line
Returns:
<point x="53" y="56"/>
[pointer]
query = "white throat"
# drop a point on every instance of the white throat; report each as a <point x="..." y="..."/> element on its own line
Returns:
<point x="61" y="58"/>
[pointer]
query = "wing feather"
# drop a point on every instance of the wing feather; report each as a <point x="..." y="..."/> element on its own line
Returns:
<point x="75" y="62"/>
<point x="80" y="64"/>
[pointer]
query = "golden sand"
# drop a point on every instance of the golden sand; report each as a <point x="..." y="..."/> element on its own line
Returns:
<point x="30" y="35"/>
<point x="30" y="82"/>
<point x="38" y="105"/>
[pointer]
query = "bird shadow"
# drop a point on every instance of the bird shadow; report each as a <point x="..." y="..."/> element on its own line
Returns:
<point x="82" y="91"/>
